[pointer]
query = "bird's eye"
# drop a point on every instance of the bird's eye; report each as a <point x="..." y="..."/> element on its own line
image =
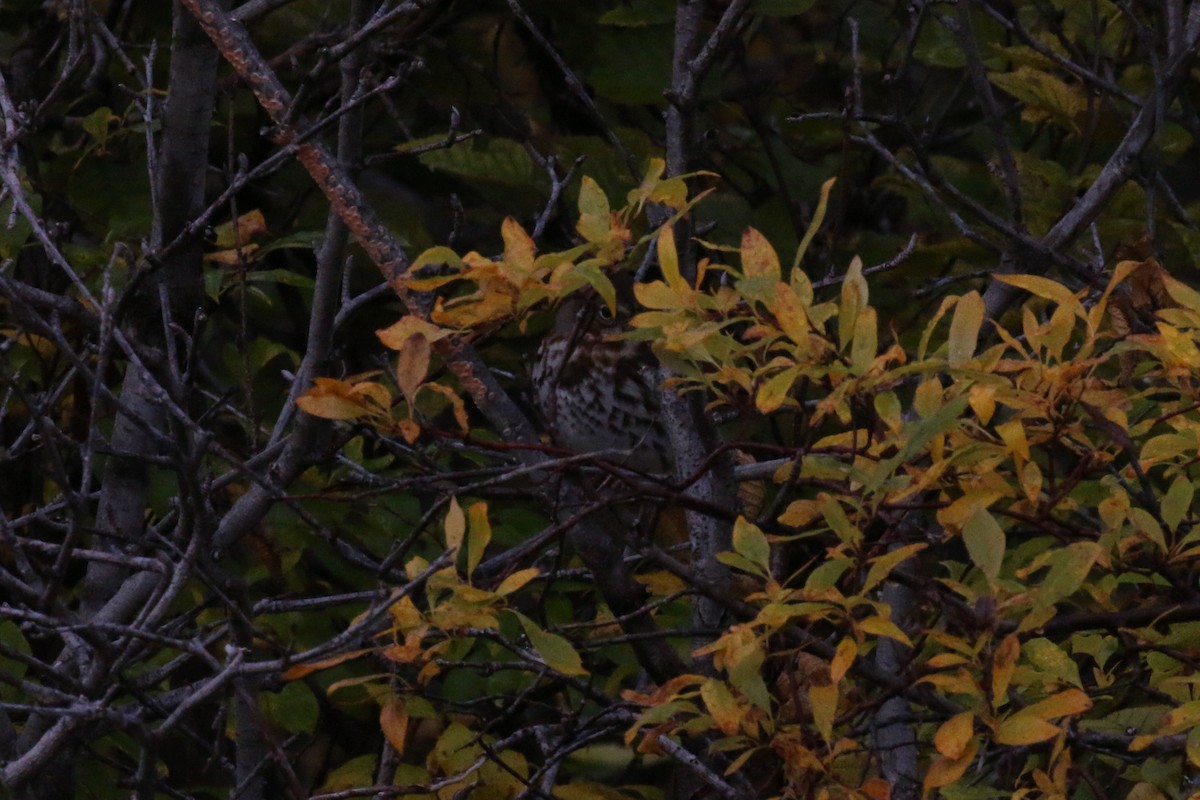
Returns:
<point x="605" y="313"/>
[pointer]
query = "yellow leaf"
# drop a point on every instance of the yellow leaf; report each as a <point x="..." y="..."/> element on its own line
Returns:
<point x="661" y="583"/>
<point x="882" y="566"/>
<point x="1031" y="481"/>
<point x="1004" y="663"/>
<point x="1050" y="290"/>
<point x="479" y="535"/>
<point x="954" y="735"/>
<point x="1013" y="434"/>
<point x="964" y="329"/>
<point x="241" y="231"/>
<point x="332" y="399"/>
<point x="824" y="701"/>
<point x="774" y="392"/>
<point x="791" y="316"/>
<point x="955" y="515"/>
<point x="455" y="525"/>
<point x="412" y="365"/>
<point x="1022" y="729"/>
<point x="519" y="251"/>
<point x="668" y="260"/>
<point x="982" y="398"/>
<point x="866" y="342"/>
<point x="881" y="626"/>
<point x="799" y="512"/>
<point x="722" y="705"/>
<point x="843" y="658"/>
<point x="594" y="212"/>
<point x="456" y="403"/>
<point x="515" y="581"/>
<point x="1146" y="791"/>
<point x="854" y="298"/>
<point x="395" y="336"/>
<point x="759" y="259"/>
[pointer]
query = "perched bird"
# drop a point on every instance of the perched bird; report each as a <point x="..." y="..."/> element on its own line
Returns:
<point x="595" y="391"/>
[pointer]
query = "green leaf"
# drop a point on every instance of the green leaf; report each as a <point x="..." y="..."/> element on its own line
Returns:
<point x="283" y="276"/>
<point x="555" y="651"/>
<point x="835" y="515"/>
<point x="779" y="8"/>
<point x="638" y="13"/>
<point x="1177" y="501"/>
<point x="479" y="535"/>
<point x="772" y="394"/>
<point x="750" y="543"/>
<point x="293" y="709"/>
<point x="1052" y="660"/>
<point x="1045" y="96"/>
<point x="1069" y="568"/>
<point x="985" y="542"/>
<point x="722" y="705"/>
<point x="496" y="161"/>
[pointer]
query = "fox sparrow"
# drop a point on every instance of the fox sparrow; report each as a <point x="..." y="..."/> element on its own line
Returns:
<point x="595" y="391"/>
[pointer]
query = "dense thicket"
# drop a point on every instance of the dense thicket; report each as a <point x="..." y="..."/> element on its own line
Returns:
<point x="278" y="517"/>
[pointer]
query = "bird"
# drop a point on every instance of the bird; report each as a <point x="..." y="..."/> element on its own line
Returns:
<point x="596" y="391"/>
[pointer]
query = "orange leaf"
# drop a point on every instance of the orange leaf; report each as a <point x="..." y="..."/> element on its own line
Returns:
<point x="945" y="771"/>
<point x="843" y="658"/>
<point x="413" y="365"/>
<point x="1004" y="662"/>
<point x="954" y="735"/>
<point x="332" y="399"/>
<point x="393" y="720"/>
<point x="1066" y="703"/>
<point x="300" y="670"/>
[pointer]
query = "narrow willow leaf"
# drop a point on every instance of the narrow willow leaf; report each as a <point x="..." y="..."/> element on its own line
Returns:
<point x="853" y="300"/>
<point x="1048" y="289"/>
<point x="824" y="701"/>
<point x="479" y="535"/>
<point x="455" y="525"/>
<point x="882" y="566"/>
<point x="814" y="225"/>
<point x="964" y="329"/>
